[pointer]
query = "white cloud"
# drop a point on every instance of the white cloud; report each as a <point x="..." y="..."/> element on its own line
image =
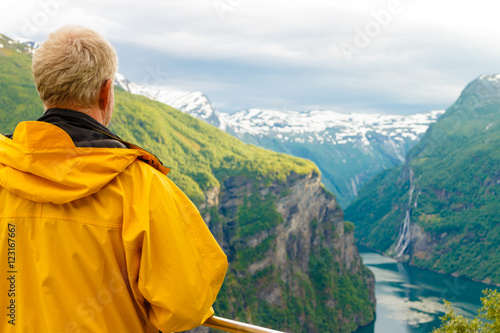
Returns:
<point x="405" y="51"/>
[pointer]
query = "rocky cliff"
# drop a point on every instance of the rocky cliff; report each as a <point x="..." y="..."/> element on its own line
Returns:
<point x="293" y="262"/>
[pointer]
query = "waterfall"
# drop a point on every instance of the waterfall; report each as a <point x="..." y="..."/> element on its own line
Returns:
<point x="404" y="232"/>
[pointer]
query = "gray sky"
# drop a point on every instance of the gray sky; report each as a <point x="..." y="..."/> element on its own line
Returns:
<point x="385" y="56"/>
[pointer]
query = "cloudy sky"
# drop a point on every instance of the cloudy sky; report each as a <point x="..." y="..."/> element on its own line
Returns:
<point x="384" y="56"/>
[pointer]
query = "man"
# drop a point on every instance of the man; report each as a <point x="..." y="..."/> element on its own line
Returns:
<point x="95" y="237"/>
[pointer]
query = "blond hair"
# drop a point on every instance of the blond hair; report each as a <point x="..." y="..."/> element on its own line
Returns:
<point x="71" y="65"/>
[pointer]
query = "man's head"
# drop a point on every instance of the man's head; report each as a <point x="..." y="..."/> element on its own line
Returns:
<point x="74" y="68"/>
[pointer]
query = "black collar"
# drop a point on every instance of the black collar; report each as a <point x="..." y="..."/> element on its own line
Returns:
<point x="76" y="118"/>
<point x="84" y="130"/>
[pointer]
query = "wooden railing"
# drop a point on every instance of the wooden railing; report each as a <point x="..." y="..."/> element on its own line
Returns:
<point x="233" y="326"/>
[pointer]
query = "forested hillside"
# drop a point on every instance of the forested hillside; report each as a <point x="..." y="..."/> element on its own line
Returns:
<point x="449" y="187"/>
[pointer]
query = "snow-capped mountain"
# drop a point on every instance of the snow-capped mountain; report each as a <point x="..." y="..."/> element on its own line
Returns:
<point x="348" y="148"/>
<point x="196" y="104"/>
<point x="309" y="126"/>
<point x="315" y="126"/>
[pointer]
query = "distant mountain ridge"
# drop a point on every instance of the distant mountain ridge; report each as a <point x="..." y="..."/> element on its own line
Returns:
<point x="348" y="148"/>
<point x="289" y="125"/>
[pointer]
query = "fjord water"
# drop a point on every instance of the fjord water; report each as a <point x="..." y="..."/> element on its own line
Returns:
<point x="410" y="300"/>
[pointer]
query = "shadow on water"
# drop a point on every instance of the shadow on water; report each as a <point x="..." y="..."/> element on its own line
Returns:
<point x="410" y="300"/>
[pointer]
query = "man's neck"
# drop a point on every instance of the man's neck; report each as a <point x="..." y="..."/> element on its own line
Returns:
<point x="94" y="112"/>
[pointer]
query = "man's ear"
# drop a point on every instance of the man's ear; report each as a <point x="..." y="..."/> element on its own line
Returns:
<point x="104" y="93"/>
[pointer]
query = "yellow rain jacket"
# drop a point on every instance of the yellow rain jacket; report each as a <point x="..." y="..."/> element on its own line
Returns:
<point x="97" y="240"/>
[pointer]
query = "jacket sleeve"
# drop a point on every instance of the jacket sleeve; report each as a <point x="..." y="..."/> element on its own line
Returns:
<point x="175" y="266"/>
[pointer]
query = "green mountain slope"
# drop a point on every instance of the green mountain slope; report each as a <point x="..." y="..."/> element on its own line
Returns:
<point x="454" y="206"/>
<point x="293" y="263"/>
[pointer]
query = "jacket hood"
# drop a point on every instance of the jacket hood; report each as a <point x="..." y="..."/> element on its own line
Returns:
<point x="42" y="164"/>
